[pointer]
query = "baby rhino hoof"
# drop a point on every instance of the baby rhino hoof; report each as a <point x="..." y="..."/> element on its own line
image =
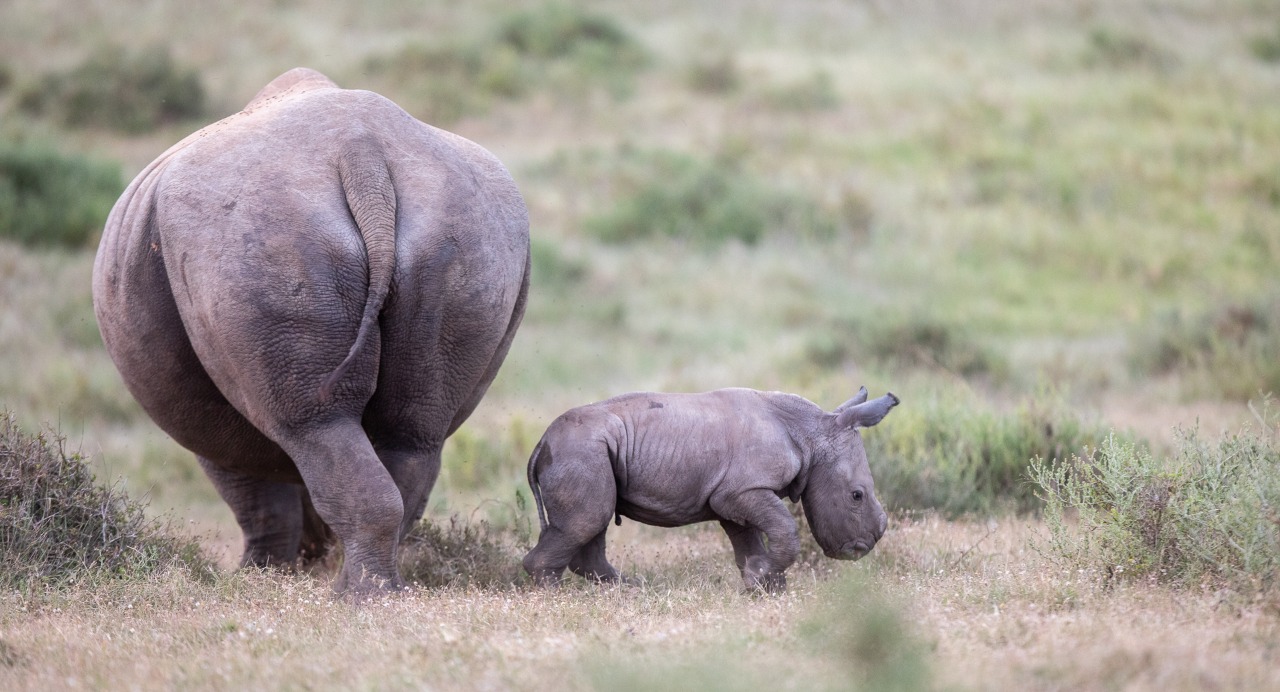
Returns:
<point x="757" y="577"/>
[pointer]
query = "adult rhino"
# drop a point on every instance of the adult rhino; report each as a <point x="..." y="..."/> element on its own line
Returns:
<point x="729" y="455"/>
<point x="311" y="295"/>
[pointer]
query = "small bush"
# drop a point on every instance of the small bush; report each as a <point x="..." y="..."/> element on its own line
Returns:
<point x="464" y="553"/>
<point x="1212" y="511"/>
<point x="706" y="202"/>
<point x="1266" y="47"/>
<point x="131" y="93"/>
<point x="1231" y="350"/>
<point x="814" y="93"/>
<point x="905" y="340"/>
<point x="1116" y="49"/>
<point x="716" y="74"/>
<point x="58" y="527"/>
<point x="867" y="637"/>
<point x="958" y="458"/>
<point x="560" y="31"/>
<point x="52" y="199"/>
<point x="554" y="48"/>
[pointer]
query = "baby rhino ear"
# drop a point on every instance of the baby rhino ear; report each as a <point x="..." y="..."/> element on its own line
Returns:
<point x="858" y="398"/>
<point x="866" y="414"/>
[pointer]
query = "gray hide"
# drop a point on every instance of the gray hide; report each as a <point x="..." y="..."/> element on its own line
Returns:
<point x="730" y="455"/>
<point x="311" y="295"/>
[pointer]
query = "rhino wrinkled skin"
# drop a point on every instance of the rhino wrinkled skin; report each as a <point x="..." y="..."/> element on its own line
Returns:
<point x="311" y="295"/>
<point x="729" y="455"/>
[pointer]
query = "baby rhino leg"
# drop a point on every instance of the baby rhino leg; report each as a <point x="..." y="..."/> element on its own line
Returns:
<point x="579" y="496"/>
<point x="590" y="562"/>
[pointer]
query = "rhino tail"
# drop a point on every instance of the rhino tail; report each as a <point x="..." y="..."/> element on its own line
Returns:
<point x="532" y="475"/>
<point x="371" y="197"/>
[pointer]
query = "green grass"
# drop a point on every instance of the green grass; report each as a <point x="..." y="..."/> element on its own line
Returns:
<point x="957" y="455"/>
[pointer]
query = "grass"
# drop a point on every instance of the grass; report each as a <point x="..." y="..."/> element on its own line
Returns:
<point x="968" y="205"/>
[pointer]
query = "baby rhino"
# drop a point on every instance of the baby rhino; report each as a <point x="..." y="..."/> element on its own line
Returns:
<point x="730" y="455"/>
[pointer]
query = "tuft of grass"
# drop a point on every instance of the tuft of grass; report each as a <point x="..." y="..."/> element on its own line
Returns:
<point x="58" y="527"/>
<point x="1230" y="350"/>
<point x="708" y="202"/>
<point x="960" y="457"/>
<point x="465" y="553"/>
<point x="1209" y="512"/>
<point x="48" y="198"/>
<point x="132" y="92"/>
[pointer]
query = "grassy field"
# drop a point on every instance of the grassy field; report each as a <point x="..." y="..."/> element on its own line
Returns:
<point x="1035" y="222"/>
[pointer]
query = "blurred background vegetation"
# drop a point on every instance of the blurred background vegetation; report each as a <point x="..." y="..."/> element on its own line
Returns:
<point x="1036" y="222"/>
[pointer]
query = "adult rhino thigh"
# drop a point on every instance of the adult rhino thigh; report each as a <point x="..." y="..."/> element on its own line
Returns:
<point x="311" y="295"/>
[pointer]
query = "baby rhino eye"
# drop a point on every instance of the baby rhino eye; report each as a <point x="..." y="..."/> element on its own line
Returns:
<point x="857" y="496"/>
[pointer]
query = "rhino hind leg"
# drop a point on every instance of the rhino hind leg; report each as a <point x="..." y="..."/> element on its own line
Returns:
<point x="579" y="495"/>
<point x="355" y="496"/>
<point x="269" y="514"/>
<point x="590" y="562"/>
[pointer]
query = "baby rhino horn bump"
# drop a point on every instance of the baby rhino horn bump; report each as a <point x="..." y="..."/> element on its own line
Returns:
<point x="867" y="414"/>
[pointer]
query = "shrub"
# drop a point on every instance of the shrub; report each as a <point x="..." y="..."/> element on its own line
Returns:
<point x="1211" y="511"/>
<point x="58" y="527"/>
<point x="453" y="80"/>
<point x="958" y="458"/>
<point x="813" y="93"/>
<point x="1266" y="47"/>
<point x="555" y="47"/>
<point x="1117" y="49"/>
<point x="715" y="74"/>
<point x="561" y="31"/>
<point x="53" y="199"/>
<point x="464" y="553"/>
<point x="131" y="93"/>
<point x="867" y="637"/>
<point x="707" y="202"/>
<point x="1230" y="350"/>
<point x="905" y="340"/>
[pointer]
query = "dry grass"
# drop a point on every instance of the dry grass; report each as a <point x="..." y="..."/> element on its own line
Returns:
<point x="988" y="611"/>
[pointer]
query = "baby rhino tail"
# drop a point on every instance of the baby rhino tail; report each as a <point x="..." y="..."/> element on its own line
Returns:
<point x="532" y="475"/>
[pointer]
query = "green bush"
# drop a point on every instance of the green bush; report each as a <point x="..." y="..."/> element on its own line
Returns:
<point x="1119" y="49"/>
<point x="706" y="202"/>
<point x="714" y="74"/>
<point x="959" y="458"/>
<point x="1211" y="511"/>
<point x="1266" y="47"/>
<point x="58" y="527"/>
<point x="905" y="340"/>
<point x="554" y="48"/>
<point x="1231" y="350"/>
<point x="131" y="93"/>
<point x="562" y="31"/>
<point x="52" y="199"/>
